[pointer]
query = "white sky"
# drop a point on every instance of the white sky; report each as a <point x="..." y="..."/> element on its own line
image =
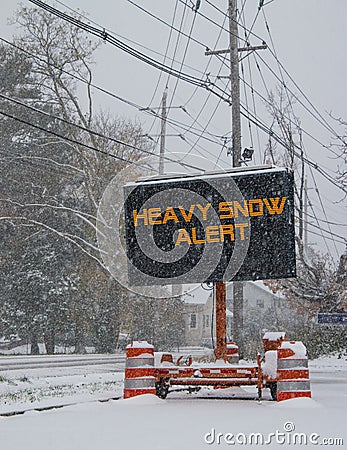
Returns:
<point x="309" y="37"/>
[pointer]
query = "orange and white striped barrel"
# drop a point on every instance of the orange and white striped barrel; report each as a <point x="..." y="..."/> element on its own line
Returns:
<point x="139" y="369"/>
<point x="232" y="352"/>
<point x="292" y="371"/>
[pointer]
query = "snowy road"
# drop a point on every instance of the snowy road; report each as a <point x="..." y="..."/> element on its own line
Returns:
<point x="31" y="363"/>
<point x="180" y="422"/>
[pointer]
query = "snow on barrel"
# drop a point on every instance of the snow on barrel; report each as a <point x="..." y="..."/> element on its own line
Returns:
<point x="139" y="369"/>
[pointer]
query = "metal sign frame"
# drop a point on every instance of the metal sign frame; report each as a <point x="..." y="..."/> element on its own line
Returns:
<point x="230" y="226"/>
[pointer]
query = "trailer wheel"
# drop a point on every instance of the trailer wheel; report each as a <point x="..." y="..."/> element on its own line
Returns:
<point x="161" y="389"/>
<point x="273" y="390"/>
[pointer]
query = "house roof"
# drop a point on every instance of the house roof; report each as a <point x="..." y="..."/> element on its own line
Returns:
<point x="197" y="295"/>
<point x="260" y="284"/>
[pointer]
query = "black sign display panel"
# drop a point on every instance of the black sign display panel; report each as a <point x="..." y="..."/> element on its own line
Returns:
<point x="233" y="226"/>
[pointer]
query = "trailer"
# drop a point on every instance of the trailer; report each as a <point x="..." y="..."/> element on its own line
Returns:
<point x="193" y="376"/>
<point x="283" y="369"/>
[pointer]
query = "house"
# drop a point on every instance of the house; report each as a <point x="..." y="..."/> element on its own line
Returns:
<point x="199" y="316"/>
<point x="257" y="295"/>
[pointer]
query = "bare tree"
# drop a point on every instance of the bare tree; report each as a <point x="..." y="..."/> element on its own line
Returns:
<point x="60" y="50"/>
<point x="340" y="144"/>
<point x="59" y="183"/>
<point x="316" y="287"/>
<point x="280" y="108"/>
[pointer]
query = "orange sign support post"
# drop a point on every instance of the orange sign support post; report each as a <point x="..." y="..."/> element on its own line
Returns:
<point x="221" y="321"/>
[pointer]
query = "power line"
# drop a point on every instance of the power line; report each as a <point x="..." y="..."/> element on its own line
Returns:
<point x="128" y="39"/>
<point x="124" y="47"/>
<point x="327" y="237"/>
<point x="322" y="206"/>
<point x="338" y="224"/>
<point x="270" y="131"/>
<point x="107" y="37"/>
<point x="195" y="119"/>
<point x="326" y="231"/>
<point x="320" y="118"/>
<point x="166" y="52"/>
<point x="65" y="138"/>
<point x="163" y="22"/>
<point x="278" y="139"/>
<point x="184" y="54"/>
<point x="284" y="115"/>
<point x="291" y="106"/>
<point x="239" y="24"/>
<point x="195" y="89"/>
<point x="102" y="34"/>
<point x="208" y="19"/>
<point x="74" y="141"/>
<point x="93" y="31"/>
<point x="320" y="228"/>
<point x="140" y="108"/>
<point x="247" y="108"/>
<point x="280" y="65"/>
<point x="207" y="124"/>
<point x="161" y="73"/>
<point x="256" y="121"/>
<point x="98" y="134"/>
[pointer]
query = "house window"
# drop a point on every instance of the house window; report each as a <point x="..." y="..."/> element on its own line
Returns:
<point x="260" y="302"/>
<point x="193" y="321"/>
<point x="206" y="321"/>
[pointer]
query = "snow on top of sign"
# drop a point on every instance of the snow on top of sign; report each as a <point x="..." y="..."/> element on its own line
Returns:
<point x="231" y="173"/>
<point x="274" y="335"/>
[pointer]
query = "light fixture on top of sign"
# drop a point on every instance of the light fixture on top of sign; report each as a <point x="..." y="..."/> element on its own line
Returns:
<point x="247" y="154"/>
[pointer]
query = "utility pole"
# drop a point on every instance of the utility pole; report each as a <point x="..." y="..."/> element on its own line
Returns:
<point x="220" y="351"/>
<point x="162" y="132"/>
<point x="236" y="149"/>
<point x="235" y="84"/>
<point x="233" y="50"/>
<point x="305" y="217"/>
<point x="175" y="289"/>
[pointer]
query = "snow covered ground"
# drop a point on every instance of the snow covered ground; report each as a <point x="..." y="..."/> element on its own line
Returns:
<point x="182" y="421"/>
